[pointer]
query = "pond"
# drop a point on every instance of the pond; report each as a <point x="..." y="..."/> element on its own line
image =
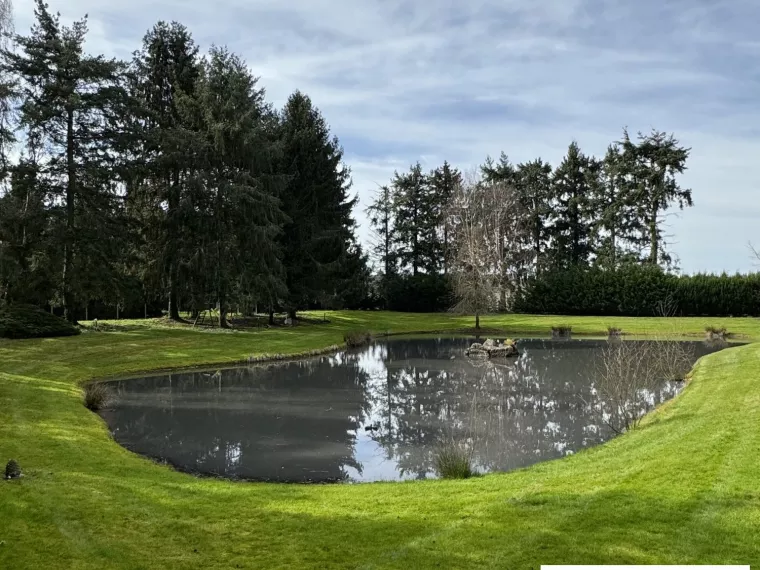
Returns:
<point x="378" y="413"/>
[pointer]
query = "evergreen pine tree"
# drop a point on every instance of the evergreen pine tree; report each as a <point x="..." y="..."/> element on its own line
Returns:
<point x="533" y="182"/>
<point x="242" y="213"/>
<point x="443" y="182"/>
<point x="317" y="237"/>
<point x="29" y="257"/>
<point x="69" y="99"/>
<point x="570" y="232"/>
<point x="493" y="172"/>
<point x="653" y="164"/>
<point x="616" y="227"/>
<point x="415" y="215"/>
<point x="165" y="72"/>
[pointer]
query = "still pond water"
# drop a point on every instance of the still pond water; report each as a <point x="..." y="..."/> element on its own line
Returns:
<point x="378" y="413"/>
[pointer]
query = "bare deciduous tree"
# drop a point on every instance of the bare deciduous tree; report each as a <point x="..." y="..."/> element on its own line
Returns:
<point x="489" y="229"/>
<point x="755" y="253"/>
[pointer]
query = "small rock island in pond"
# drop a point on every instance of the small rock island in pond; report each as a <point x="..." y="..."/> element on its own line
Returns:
<point x="492" y="349"/>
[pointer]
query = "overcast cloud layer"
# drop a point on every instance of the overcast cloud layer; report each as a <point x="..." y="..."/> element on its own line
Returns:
<point x="459" y="80"/>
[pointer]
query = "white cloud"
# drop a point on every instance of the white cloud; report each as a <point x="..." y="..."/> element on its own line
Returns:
<point x="401" y="81"/>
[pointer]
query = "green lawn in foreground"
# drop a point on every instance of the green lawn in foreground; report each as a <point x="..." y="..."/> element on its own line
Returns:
<point x="685" y="488"/>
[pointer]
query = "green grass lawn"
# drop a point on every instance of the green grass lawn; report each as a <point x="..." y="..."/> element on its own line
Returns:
<point x="685" y="488"/>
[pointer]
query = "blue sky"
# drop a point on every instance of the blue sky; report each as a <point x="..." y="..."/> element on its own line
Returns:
<point x="402" y="81"/>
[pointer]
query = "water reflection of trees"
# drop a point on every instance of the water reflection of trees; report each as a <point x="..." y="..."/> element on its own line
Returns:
<point x="397" y="399"/>
<point x="255" y="422"/>
<point x="514" y="412"/>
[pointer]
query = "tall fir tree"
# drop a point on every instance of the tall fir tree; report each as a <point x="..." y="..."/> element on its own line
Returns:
<point x="533" y="183"/>
<point x="572" y="187"/>
<point x="380" y="213"/>
<point x="165" y="71"/>
<point x="493" y="172"/>
<point x="653" y="163"/>
<point x="242" y="212"/>
<point x="318" y="235"/>
<point x="69" y="100"/>
<point x="616" y="227"/>
<point x="29" y="260"/>
<point x="415" y="215"/>
<point x="7" y="94"/>
<point x="443" y="182"/>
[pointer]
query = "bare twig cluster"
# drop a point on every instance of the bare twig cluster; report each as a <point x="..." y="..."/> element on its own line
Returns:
<point x="629" y="372"/>
<point x="488" y="222"/>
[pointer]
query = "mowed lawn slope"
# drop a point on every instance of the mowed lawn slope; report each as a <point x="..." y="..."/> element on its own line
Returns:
<point x="685" y="488"/>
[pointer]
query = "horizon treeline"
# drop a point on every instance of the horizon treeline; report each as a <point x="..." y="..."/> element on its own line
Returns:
<point x="585" y="212"/>
<point x="167" y="181"/>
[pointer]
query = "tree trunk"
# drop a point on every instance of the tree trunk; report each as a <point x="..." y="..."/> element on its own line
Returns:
<point x="222" y="305"/>
<point x="654" y="247"/>
<point x="613" y="244"/>
<point x="68" y="253"/>
<point x="477" y="321"/>
<point x="445" y="248"/>
<point x="173" y="304"/>
<point x="173" y="202"/>
<point x="292" y="313"/>
<point x="271" y="316"/>
<point x="537" y="245"/>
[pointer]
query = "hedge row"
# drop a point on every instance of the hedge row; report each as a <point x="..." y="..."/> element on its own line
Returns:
<point x="417" y="293"/>
<point x="27" y="321"/>
<point x="640" y="291"/>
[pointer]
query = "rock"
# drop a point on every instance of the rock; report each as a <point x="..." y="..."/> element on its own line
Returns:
<point x="477" y="353"/>
<point x="492" y="349"/>
<point x="502" y="352"/>
<point x="12" y="470"/>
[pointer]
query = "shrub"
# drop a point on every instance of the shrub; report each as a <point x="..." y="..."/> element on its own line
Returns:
<point x="417" y="293"/>
<point x="96" y="396"/>
<point x="716" y="333"/>
<point x="453" y="461"/>
<point x="355" y="339"/>
<point x="562" y="330"/>
<point x="28" y="321"/>
<point x="613" y="331"/>
<point x="12" y="470"/>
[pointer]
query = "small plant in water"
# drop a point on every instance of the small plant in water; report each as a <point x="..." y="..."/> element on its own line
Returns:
<point x="453" y="461"/>
<point x="356" y="339"/>
<point x="716" y="333"/>
<point x="96" y="396"/>
<point x="562" y="331"/>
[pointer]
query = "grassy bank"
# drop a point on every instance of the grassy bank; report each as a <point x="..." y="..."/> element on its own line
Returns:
<point x="683" y="489"/>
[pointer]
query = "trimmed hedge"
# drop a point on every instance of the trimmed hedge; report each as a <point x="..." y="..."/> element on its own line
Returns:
<point x="27" y="321"/>
<point x="418" y="293"/>
<point x="639" y="291"/>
